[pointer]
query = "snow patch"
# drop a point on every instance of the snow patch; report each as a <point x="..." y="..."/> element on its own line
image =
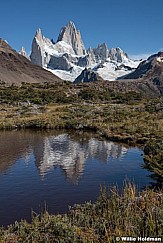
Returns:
<point x="70" y="75"/>
<point x="111" y="70"/>
<point x="160" y="59"/>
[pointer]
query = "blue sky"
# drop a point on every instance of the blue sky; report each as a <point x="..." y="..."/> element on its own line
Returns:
<point x="134" y="25"/>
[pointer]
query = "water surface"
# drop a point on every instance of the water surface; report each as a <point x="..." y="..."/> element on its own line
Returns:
<point x="60" y="169"/>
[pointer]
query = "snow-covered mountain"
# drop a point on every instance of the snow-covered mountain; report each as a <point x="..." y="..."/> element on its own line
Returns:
<point x="67" y="57"/>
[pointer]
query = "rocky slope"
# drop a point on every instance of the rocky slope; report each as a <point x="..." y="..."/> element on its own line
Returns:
<point x="15" y="68"/>
<point x="67" y="57"/>
<point x="150" y="70"/>
<point x="88" y="75"/>
<point x="151" y="67"/>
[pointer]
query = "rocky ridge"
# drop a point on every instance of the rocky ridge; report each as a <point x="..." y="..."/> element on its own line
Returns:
<point x="153" y="66"/>
<point x="150" y="70"/>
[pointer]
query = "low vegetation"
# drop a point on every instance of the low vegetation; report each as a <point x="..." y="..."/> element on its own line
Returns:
<point x="114" y="214"/>
<point x="125" y="117"/>
<point x="64" y="93"/>
<point x="154" y="160"/>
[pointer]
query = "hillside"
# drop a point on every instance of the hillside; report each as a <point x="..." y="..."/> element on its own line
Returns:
<point x="150" y="71"/>
<point x="15" y="68"/>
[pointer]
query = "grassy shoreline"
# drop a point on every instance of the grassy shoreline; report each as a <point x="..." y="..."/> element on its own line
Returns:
<point x="119" y="122"/>
<point x="127" y="117"/>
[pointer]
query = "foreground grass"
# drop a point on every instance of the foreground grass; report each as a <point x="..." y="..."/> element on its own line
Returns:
<point x="113" y="214"/>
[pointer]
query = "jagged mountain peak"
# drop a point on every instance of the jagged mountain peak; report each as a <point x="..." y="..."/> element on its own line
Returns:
<point x="117" y="49"/>
<point x="23" y="52"/>
<point x="69" y="27"/>
<point x="37" y="52"/>
<point x="117" y="54"/>
<point x="100" y="52"/>
<point x="71" y="36"/>
<point x="103" y="45"/>
<point x="38" y="31"/>
<point x="22" y="49"/>
<point x="71" y="24"/>
<point x="39" y="35"/>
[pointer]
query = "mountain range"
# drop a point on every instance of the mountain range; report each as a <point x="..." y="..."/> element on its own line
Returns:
<point x="68" y="57"/>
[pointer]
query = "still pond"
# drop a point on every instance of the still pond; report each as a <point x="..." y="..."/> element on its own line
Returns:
<point x="58" y="169"/>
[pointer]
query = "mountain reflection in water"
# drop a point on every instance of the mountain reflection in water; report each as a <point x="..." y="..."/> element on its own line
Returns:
<point x="71" y="155"/>
<point x="66" y="151"/>
<point x="60" y="169"/>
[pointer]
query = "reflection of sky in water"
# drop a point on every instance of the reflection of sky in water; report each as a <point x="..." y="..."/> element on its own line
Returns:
<point x="61" y="170"/>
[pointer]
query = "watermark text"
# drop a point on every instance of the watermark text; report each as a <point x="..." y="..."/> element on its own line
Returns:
<point x="136" y="239"/>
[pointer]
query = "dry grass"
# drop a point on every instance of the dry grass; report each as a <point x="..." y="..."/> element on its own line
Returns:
<point x="128" y="123"/>
<point x="113" y="214"/>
